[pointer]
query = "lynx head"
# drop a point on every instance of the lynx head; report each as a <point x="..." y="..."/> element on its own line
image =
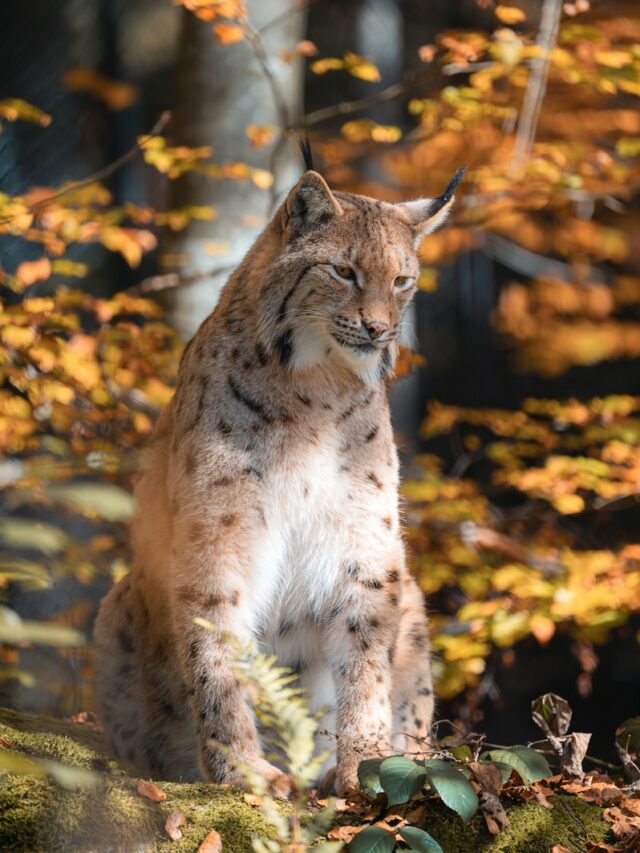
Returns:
<point x="356" y="269"/>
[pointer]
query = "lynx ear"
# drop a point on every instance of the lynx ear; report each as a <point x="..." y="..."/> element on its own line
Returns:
<point x="426" y="214"/>
<point x="310" y="204"/>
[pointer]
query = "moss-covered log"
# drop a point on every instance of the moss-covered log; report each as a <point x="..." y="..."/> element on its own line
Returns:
<point x="38" y="815"/>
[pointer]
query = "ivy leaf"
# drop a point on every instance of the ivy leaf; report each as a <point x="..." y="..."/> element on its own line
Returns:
<point x="418" y="839"/>
<point x="401" y="778"/>
<point x="453" y="787"/>
<point x="373" y="839"/>
<point x="528" y="764"/>
<point x="369" y="776"/>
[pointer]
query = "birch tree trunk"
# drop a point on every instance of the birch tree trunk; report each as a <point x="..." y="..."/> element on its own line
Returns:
<point x="221" y="89"/>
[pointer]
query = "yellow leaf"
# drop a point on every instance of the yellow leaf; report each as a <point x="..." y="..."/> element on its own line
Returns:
<point x="330" y="63"/>
<point x="262" y="178"/>
<point x="18" y="336"/>
<point x="228" y="33"/>
<point x="361" y="68"/>
<point x="63" y="266"/>
<point x="568" y="504"/>
<point x="362" y="130"/>
<point x="13" y="109"/>
<point x="542" y="628"/>
<point x="613" y="58"/>
<point x="510" y="15"/>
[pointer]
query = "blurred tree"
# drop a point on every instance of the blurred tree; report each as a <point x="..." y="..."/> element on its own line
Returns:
<point x="234" y="91"/>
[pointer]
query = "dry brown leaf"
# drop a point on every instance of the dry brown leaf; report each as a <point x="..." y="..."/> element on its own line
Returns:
<point x="597" y="792"/>
<point x="175" y="819"/>
<point x="253" y="800"/>
<point x="151" y="791"/>
<point x="5" y="743"/>
<point x="228" y="33"/>
<point x="487" y="775"/>
<point x="573" y="753"/>
<point x="212" y="843"/>
<point x="343" y="833"/>
<point x="558" y="848"/>
<point x="493" y="812"/>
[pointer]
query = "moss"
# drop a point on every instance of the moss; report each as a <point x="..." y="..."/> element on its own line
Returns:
<point x="37" y="815"/>
<point x="532" y="828"/>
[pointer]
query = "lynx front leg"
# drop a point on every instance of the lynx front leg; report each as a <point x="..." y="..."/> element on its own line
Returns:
<point x="227" y="735"/>
<point x="412" y="681"/>
<point x="360" y="648"/>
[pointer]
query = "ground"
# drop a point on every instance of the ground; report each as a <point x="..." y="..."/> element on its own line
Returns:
<point x="38" y="815"/>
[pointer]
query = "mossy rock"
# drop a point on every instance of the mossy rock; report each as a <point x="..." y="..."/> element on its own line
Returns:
<point x="39" y="815"/>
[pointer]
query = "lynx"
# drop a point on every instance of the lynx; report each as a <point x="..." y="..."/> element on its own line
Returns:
<point x="269" y="506"/>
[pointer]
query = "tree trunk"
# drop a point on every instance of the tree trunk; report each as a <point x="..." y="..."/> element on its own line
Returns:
<point x="221" y="90"/>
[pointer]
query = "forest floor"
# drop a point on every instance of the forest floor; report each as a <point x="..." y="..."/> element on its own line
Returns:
<point x="108" y="810"/>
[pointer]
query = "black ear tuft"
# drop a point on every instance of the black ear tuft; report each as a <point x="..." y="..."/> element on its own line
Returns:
<point x="445" y="198"/>
<point x="307" y="154"/>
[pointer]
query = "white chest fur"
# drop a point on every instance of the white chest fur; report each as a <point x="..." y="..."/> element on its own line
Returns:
<point x="298" y="559"/>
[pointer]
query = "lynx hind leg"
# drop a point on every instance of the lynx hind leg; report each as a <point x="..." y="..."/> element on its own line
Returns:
<point x="412" y="693"/>
<point x="143" y="723"/>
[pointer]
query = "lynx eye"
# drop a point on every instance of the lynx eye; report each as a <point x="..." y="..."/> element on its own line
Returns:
<point x="401" y="282"/>
<point x="345" y="272"/>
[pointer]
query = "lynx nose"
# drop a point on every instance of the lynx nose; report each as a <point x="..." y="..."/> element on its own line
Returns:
<point x="375" y="328"/>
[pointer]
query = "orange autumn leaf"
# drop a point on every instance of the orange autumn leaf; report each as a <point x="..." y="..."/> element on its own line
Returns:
<point x="260" y="134"/>
<point x="510" y="15"/>
<point x="212" y="843"/>
<point x="29" y="272"/>
<point x="228" y="33"/>
<point x="116" y="94"/>
<point x="150" y="791"/>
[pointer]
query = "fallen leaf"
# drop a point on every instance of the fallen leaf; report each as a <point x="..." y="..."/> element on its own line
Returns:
<point x="175" y="819"/>
<point x="5" y="743"/>
<point x="253" y="800"/>
<point x="211" y="844"/>
<point x="343" y="833"/>
<point x="493" y="812"/>
<point x="573" y="752"/>
<point x="151" y="791"/>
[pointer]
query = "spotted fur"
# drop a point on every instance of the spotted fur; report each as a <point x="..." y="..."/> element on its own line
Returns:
<point x="269" y="506"/>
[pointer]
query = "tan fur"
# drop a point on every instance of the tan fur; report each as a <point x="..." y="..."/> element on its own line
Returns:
<point x="269" y="506"/>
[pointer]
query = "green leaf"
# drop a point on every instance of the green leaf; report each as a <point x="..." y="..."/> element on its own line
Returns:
<point x="369" y="776"/>
<point x="454" y="788"/>
<point x="373" y="839"/>
<point x="103" y="499"/>
<point x="529" y="764"/>
<point x="628" y="736"/>
<point x="418" y="839"/>
<point x="401" y="778"/>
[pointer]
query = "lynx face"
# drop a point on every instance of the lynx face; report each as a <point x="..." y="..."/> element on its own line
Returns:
<point x="358" y="274"/>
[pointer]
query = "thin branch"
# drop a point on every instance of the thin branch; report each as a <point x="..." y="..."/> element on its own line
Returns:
<point x="389" y="94"/>
<point x="169" y="281"/>
<point x="537" y="84"/>
<point x="103" y="173"/>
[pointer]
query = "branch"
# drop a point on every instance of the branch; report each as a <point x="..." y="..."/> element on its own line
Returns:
<point x="537" y="84"/>
<point x="105" y="172"/>
<point x="169" y="281"/>
<point x="347" y="107"/>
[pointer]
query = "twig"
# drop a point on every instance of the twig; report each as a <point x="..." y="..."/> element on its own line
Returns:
<point x="575" y="817"/>
<point x="347" y="107"/>
<point x="103" y="173"/>
<point x="537" y="84"/>
<point x="169" y="281"/>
